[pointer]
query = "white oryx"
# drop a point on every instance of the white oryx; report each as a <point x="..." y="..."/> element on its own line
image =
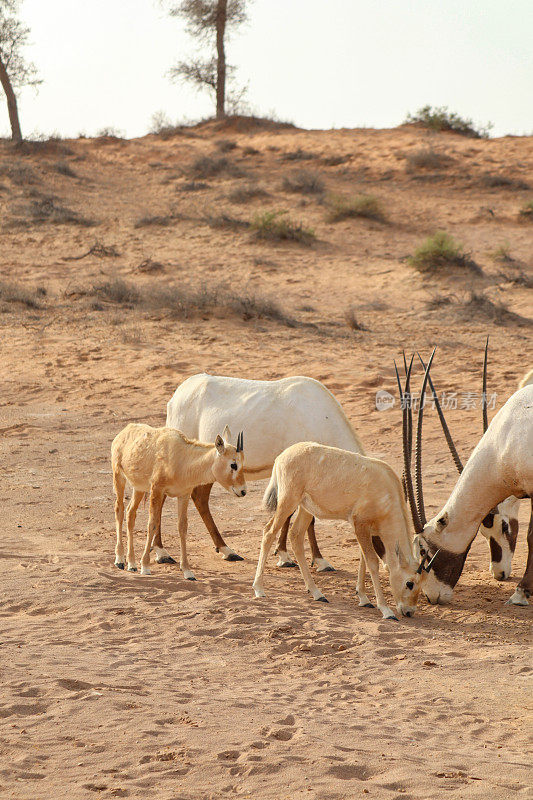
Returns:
<point x="330" y="483"/>
<point x="164" y="462"/>
<point x="501" y="528"/>
<point x="500" y="466"/>
<point x="500" y="525"/>
<point x="273" y="415"/>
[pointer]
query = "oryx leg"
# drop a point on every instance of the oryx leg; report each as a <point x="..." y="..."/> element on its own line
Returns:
<point x="157" y="499"/>
<point x="183" y="503"/>
<point x="321" y="564"/>
<point x="282" y="513"/>
<point x="200" y="498"/>
<point x="301" y="523"/>
<point x="119" y="485"/>
<point x="162" y="556"/>
<point x="131" y="515"/>
<point x="372" y="562"/>
<point x="284" y="559"/>
<point x="525" y="587"/>
<point x="361" y="588"/>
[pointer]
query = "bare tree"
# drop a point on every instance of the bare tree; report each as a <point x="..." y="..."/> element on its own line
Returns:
<point x="209" y="21"/>
<point x="15" y="71"/>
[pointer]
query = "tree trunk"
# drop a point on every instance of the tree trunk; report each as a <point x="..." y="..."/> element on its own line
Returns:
<point x="221" y="58"/>
<point x="16" y="134"/>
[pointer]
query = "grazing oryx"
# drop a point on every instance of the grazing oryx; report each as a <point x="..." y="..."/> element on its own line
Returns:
<point x="275" y="414"/>
<point x="500" y="466"/>
<point x="500" y="526"/>
<point x="163" y="461"/>
<point x="330" y="483"/>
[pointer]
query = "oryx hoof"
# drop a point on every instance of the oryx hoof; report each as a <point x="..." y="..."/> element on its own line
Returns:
<point x="368" y="605"/>
<point x="329" y="568"/>
<point x="287" y="564"/>
<point x="233" y="557"/>
<point x="132" y="569"/>
<point x="166" y="560"/>
<point x="395" y="619"/>
<point x="322" y="599"/>
<point x="190" y="578"/>
<point x="119" y="564"/>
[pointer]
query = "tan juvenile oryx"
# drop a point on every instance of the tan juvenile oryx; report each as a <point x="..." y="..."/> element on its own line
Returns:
<point x="163" y="461"/>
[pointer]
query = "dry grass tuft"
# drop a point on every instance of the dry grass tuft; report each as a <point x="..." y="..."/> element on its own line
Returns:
<point x="342" y="207"/>
<point x="250" y="191"/>
<point x="46" y="209"/>
<point x="211" y="166"/>
<point x="276" y="226"/>
<point x="298" y="155"/>
<point x="303" y="181"/>
<point x="155" y="220"/>
<point x="427" y="158"/>
<point x="11" y="292"/>
<point x="476" y="305"/>
<point x="492" y="181"/>
<point x="183" y="303"/>
<point x="225" y="222"/>
<point x="526" y="212"/>
<point x="65" y="169"/>
<point x="352" y="322"/>
<point x="439" y="253"/>
<point x="193" y="186"/>
<point x="226" y="145"/>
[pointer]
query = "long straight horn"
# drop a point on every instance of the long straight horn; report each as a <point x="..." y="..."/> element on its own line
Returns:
<point x="484" y="395"/>
<point x="240" y="442"/>
<point x="431" y="562"/>
<point x="406" y="460"/>
<point x="453" y="450"/>
<point x="409" y="412"/>
<point x="400" y="390"/>
<point x="422" y="562"/>
<point x="418" y="449"/>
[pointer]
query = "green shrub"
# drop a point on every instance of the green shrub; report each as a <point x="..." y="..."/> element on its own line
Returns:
<point x="440" y="251"/>
<point x="439" y="118"/>
<point x="276" y="226"/>
<point x="362" y="205"/>
<point x="303" y="181"/>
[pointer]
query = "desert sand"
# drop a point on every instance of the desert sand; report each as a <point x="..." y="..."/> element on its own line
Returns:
<point x="117" y="685"/>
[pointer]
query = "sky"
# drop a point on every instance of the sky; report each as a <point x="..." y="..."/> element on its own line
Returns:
<point x="316" y="63"/>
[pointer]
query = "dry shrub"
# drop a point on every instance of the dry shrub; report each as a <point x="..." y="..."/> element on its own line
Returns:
<point x="11" y="292"/>
<point x="342" y="207"/>
<point x="224" y="221"/>
<point x="226" y="145"/>
<point x="526" y="212"/>
<point x="19" y="174"/>
<point x="427" y="158"/>
<point x="503" y="254"/>
<point x="46" y="209"/>
<point x="155" y="220"/>
<point x="45" y="146"/>
<point x="439" y="253"/>
<point x="303" y="181"/>
<point x="276" y="226"/>
<point x="476" y="305"/>
<point x="65" y="169"/>
<point x="335" y="161"/>
<point x="211" y="166"/>
<point x="298" y="155"/>
<point x="148" y="265"/>
<point x="250" y="151"/>
<point x="193" y="186"/>
<point x="351" y="320"/>
<point x="492" y="181"/>
<point x="243" y="194"/>
<point x="181" y="302"/>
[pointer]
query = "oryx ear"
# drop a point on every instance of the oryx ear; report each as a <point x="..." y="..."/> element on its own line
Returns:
<point x="226" y="434"/>
<point x="442" y="521"/>
<point x="220" y="446"/>
<point x="399" y="555"/>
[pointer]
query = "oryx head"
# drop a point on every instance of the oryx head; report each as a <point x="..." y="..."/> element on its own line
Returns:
<point x="407" y="580"/>
<point x="228" y="467"/>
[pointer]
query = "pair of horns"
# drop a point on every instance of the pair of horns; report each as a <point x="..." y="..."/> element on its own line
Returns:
<point x="447" y="434"/>
<point x="418" y="512"/>
<point x="240" y="442"/>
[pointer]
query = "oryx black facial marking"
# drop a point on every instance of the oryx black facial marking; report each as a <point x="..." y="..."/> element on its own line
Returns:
<point x="495" y="550"/>
<point x="233" y="465"/>
<point x="378" y="546"/>
<point x="488" y="521"/>
<point x="512" y="534"/>
<point x="410" y="585"/>
<point x="448" y="566"/>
